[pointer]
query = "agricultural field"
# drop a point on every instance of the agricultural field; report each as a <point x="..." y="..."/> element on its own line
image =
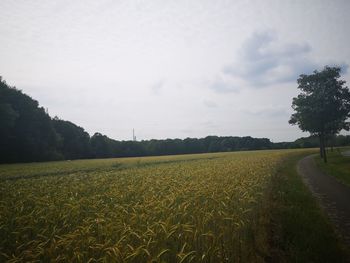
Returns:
<point x="186" y="208"/>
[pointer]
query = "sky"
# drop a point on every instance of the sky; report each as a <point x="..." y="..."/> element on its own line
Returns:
<point x="171" y="69"/>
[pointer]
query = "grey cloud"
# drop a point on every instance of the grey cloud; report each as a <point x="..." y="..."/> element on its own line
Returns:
<point x="264" y="60"/>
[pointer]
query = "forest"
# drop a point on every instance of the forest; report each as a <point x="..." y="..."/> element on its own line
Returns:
<point x="29" y="134"/>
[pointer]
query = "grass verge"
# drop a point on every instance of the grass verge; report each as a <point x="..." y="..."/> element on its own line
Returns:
<point x="300" y="231"/>
<point x="337" y="166"/>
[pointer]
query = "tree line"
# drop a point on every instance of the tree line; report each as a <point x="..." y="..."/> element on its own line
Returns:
<point x="29" y="134"/>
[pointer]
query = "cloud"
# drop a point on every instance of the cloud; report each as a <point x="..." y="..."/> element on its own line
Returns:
<point x="268" y="112"/>
<point x="223" y="84"/>
<point x="210" y="104"/>
<point x="157" y="87"/>
<point x="264" y="60"/>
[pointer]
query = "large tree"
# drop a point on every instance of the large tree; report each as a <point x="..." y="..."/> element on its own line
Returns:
<point x="323" y="106"/>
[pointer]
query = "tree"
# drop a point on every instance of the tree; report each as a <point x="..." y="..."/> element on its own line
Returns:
<point x="26" y="132"/>
<point x="75" y="141"/>
<point x="323" y="106"/>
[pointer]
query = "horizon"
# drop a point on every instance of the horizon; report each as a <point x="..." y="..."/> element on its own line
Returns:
<point x="172" y="69"/>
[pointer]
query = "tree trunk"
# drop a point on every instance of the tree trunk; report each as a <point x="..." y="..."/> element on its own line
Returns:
<point x="323" y="148"/>
<point x="332" y="142"/>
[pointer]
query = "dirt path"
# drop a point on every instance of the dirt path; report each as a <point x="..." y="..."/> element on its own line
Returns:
<point x="334" y="197"/>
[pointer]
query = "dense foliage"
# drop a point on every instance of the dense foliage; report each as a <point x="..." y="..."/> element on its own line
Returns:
<point x="323" y="106"/>
<point x="26" y="130"/>
<point x="28" y="133"/>
<point x="74" y="141"/>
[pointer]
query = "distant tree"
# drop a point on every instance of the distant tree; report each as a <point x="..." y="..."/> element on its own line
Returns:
<point x="214" y="146"/>
<point x="226" y="145"/>
<point x="307" y="142"/>
<point x="323" y="106"/>
<point x="101" y="146"/>
<point x="27" y="133"/>
<point x="75" y="141"/>
<point x="342" y="140"/>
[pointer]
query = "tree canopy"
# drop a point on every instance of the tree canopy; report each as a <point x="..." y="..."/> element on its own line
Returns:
<point x="323" y="106"/>
<point x="26" y="132"/>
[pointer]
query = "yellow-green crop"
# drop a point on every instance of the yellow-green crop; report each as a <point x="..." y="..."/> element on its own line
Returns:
<point x="189" y="208"/>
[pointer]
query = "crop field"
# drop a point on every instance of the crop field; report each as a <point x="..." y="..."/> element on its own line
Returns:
<point x="186" y="208"/>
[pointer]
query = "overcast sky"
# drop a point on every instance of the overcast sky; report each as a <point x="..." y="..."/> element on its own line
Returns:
<point x="171" y="69"/>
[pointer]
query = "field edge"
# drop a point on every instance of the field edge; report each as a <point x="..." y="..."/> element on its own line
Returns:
<point x="299" y="229"/>
<point x="337" y="166"/>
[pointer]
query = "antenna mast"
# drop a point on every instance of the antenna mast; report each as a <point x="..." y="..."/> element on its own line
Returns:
<point x="133" y="135"/>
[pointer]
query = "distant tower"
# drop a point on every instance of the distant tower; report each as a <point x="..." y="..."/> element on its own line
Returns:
<point x="133" y="135"/>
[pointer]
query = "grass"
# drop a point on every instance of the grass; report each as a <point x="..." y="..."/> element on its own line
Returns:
<point x="300" y="230"/>
<point x="337" y="166"/>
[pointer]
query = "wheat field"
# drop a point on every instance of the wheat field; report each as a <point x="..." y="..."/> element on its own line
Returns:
<point x="186" y="208"/>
